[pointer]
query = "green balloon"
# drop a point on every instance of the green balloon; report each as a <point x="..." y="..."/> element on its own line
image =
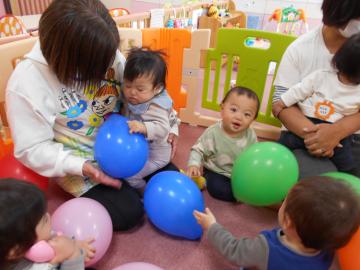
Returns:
<point x="352" y="180"/>
<point x="263" y="174"/>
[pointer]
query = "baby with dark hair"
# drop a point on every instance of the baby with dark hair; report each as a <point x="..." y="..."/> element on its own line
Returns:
<point x="326" y="96"/>
<point x="318" y="216"/>
<point x="24" y="222"/>
<point x="149" y="108"/>
<point x="215" y="151"/>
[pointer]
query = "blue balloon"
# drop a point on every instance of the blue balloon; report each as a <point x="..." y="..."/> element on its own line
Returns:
<point x="170" y="198"/>
<point x="119" y="153"/>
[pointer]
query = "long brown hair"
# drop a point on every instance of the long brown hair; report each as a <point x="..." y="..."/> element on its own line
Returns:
<point x="78" y="39"/>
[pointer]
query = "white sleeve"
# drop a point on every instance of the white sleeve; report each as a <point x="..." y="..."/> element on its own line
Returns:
<point x="301" y="91"/>
<point x="119" y="65"/>
<point x="289" y="73"/>
<point x="31" y="123"/>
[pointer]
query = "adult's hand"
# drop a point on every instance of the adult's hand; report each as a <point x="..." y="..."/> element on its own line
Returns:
<point x="294" y="120"/>
<point x="173" y="140"/>
<point x="99" y="176"/>
<point x="321" y="139"/>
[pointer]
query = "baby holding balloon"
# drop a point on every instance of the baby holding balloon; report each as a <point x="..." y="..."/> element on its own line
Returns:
<point x="149" y="108"/>
<point x="25" y="233"/>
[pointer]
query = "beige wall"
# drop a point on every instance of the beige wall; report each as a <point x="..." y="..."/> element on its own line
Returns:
<point x="117" y="3"/>
<point x="2" y="8"/>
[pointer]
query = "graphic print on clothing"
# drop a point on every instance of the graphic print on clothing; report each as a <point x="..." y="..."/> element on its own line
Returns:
<point x="105" y="99"/>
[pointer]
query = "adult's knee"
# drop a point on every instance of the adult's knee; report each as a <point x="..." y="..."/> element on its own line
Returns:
<point x="310" y="165"/>
<point x="130" y="219"/>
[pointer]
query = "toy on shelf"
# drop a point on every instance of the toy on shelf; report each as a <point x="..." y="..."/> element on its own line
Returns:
<point x="289" y="20"/>
<point x="118" y="12"/>
<point x="179" y="22"/>
<point x="213" y="11"/>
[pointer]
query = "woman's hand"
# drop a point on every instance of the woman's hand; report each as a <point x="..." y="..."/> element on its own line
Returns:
<point x="193" y="171"/>
<point x="321" y="139"/>
<point x="99" y="176"/>
<point x="173" y="140"/>
<point x="205" y="219"/>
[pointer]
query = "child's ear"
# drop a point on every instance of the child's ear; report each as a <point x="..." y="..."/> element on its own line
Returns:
<point x="288" y="224"/>
<point x="158" y="89"/>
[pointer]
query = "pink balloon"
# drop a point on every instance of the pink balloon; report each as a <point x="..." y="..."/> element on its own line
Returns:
<point x="85" y="218"/>
<point x="138" y="266"/>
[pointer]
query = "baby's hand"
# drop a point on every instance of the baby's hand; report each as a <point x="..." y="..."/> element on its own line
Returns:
<point x="277" y="107"/>
<point x="137" y="127"/>
<point x="64" y="247"/>
<point x="205" y="219"/>
<point x="88" y="249"/>
<point x="193" y="171"/>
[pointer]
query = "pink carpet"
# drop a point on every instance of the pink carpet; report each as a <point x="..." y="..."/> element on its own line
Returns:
<point x="148" y="244"/>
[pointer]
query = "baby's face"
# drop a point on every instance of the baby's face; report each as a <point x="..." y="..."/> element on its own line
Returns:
<point x="237" y="113"/>
<point x="139" y="90"/>
<point x="43" y="229"/>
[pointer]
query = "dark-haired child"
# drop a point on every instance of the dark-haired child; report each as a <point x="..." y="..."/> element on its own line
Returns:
<point x="220" y="144"/>
<point x="24" y="221"/>
<point x="326" y="96"/>
<point x="149" y="108"/>
<point x="318" y="216"/>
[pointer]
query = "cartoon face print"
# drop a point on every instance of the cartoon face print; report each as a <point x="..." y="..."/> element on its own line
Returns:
<point x="106" y="96"/>
<point x="101" y="105"/>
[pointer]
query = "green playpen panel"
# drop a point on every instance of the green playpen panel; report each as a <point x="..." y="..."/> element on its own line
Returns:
<point x="253" y="65"/>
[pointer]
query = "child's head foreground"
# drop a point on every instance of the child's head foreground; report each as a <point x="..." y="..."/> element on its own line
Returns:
<point x="144" y="75"/>
<point x="321" y="213"/>
<point x="346" y="61"/>
<point x="79" y="40"/>
<point x="239" y="109"/>
<point x="318" y="216"/>
<point x="23" y="218"/>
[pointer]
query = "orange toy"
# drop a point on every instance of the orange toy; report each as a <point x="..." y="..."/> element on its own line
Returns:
<point x="349" y="255"/>
<point x="172" y="42"/>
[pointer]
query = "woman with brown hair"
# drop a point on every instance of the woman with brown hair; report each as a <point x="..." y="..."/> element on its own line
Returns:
<point x="50" y="102"/>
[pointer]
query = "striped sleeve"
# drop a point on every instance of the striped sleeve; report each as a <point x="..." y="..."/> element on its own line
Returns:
<point x="279" y="90"/>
